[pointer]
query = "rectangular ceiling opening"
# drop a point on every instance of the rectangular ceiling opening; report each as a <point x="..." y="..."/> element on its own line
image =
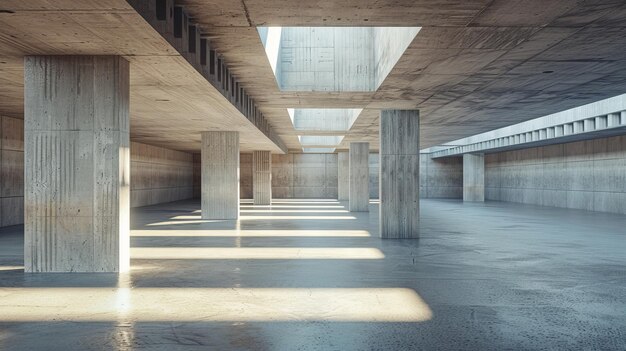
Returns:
<point x="323" y="119"/>
<point x="320" y="140"/>
<point x="334" y="59"/>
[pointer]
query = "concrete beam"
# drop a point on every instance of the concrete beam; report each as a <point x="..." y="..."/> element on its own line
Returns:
<point x="77" y="164"/>
<point x="262" y="177"/>
<point x="599" y="119"/>
<point x="399" y="174"/>
<point x="359" y="195"/>
<point x="220" y="175"/>
<point x="178" y="28"/>
<point x="474" y="177"/>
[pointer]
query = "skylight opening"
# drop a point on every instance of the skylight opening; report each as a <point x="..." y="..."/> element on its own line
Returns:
<point x="320" y="140"/>
<point x="323" y="120"/>
<point x="337" y="59"/>
<point x="318" y="150"/>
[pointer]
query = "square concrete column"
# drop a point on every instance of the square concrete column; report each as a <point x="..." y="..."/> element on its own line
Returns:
<point x="220" y="175"/>
<point x="343" y="176"/>
<point x="262" y="177"/>
<point x="359" y="196"/>
<point x="399" y="174"/>
<point x="474" y="177"/>
<point x="77" y="164"/>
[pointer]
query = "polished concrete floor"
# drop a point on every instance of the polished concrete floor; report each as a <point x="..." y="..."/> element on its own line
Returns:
<point x="309" y="275"/>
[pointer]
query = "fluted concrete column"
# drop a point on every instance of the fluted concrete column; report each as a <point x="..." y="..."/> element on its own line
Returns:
<point x="399" y="174"/>
<point x="220" y="175"/>
<point x="359" y="197"/>
<point x="262" y="177"/>
<point x="77" y="164"/>
<point x="343" y="176"/>
<point x="474" y="177"/>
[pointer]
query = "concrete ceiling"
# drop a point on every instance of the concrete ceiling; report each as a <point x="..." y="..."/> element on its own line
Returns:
<point x="171" y="103"/>
<point x="474" y="66"/>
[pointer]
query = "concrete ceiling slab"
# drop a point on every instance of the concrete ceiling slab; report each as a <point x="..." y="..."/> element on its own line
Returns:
<point x="475" y="66"/>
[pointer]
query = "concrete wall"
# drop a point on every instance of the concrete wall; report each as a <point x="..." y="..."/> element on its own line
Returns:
<point x="439" y="178"/>
<point x="327" y="59"/>
<point x="11" y="171"/>
<point x="304" y="176"/>
<point x="159" y="175"/>
<point x="293" y="176"/>
<point x="315" y="176"/>
<point x="588" y="175"/>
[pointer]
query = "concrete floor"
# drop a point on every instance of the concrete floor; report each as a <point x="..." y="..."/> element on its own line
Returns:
<point x="309" y="275"/>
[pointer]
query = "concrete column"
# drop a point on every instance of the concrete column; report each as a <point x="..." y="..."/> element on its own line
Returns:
<point x="359" y="196"/>
<point x="220" y="175"/>
<point x="343" y="176"/>
<point x="474" y="177"/>
<point x="399" y="174"/>
<point x="77" y="164"/>
<point x="262" y="177"/>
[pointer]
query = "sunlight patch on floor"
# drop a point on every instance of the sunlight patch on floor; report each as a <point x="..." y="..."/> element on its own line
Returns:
<point x="256" y="253"/>
<point x="212" y="304"/>
<point x="252" y="233"/>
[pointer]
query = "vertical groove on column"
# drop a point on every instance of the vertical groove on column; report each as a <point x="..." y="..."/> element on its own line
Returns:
<point x="359" y="196"/>
<point x="262" y="177"/>
<point x="220" y="175"/>
<point x="399" y="174"/>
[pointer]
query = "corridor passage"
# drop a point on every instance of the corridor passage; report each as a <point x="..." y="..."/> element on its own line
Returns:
<point x="310" y="275"/>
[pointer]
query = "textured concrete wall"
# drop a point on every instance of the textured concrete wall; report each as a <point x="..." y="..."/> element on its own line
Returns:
<point x="327" y="59"/>
<point x="439" y="178"/>
<point x="11" y="171"/>
<point x="304" y="176"/>
<point x="293" y="176"/>
<point x="159" y="175"/>
<point x="588" y="175"/>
